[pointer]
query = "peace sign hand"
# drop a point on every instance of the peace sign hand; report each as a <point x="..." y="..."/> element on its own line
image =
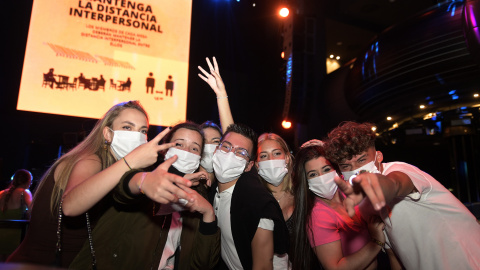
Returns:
<point x="147" y="154"/>
<point x="213" y="78"/>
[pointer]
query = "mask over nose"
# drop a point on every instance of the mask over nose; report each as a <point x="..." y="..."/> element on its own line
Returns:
<point x="125" y="142"/>
<point x="324" y="185"/>
<point x="186" y="162"/>
<point x="207" y="158"/>
<point x="227" y="166"/>
<point x="273" y="170"/>
<point x="369" y="167"/>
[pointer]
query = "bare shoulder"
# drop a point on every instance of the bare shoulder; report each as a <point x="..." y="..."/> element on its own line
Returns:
<point x="89" y="162"/>
<point x="91" y="158"/>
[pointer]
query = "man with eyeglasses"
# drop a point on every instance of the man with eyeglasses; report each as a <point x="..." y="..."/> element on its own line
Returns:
<point x="250" y="219"/>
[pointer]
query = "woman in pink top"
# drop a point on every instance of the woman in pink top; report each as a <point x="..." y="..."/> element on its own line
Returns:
<point x="322" y="223"/>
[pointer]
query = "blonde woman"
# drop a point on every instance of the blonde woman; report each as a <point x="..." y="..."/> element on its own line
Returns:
<point x="82" y="177"/>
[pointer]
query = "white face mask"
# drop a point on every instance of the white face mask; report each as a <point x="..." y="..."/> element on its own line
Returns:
<point x="186" y="162"/>
<point x="227" y="166"/>
<point x="273" y="170"/>
<point x="369" y="167"/>
<point x="324" y="185"/>
<point x="206" y="162"/>
<point x="125" y="141"/>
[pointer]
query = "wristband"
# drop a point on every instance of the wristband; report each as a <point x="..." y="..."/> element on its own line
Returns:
<point x="141" y="183"/>
<point x="222" y="97"/>
<point x="382" y="245"/>
<point x="126" y="163"/>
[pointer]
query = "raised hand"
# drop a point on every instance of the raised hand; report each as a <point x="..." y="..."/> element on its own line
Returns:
<point x="352" y="198"/>
<point x="369" y="183"/>
<point x="162" y="186"/>
<point x="364" y="185"/>
<point x="312" y="142"/>
<point x="147" y="154"/>
<point x="213" y="78"/>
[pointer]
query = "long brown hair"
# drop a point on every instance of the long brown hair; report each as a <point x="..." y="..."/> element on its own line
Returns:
<point x="20" y="178"/>
<point x="304" y="202"/>
<point x="94" y="143"/>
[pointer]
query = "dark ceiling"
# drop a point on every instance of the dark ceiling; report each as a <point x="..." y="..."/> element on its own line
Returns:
<point x="352" y="24"/>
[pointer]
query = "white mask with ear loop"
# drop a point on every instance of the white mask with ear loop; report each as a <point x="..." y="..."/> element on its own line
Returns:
<point x="324" y="185"/>
<point x="228" y="166"/>
<point x="125" y="141"/>
<point x="186" y="162"/>
<point x="273" y="170"/>
<point x="369" y="167"/>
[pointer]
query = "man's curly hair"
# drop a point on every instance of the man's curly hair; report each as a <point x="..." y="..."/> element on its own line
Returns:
<point x="348" y="140"/>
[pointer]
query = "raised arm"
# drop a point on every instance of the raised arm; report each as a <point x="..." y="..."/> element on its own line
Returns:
<point x="88" y="183"/>
<point x="216" y="83"/>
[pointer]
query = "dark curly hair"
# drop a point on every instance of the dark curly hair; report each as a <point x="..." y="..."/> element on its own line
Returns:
<point x="348" y="140"/>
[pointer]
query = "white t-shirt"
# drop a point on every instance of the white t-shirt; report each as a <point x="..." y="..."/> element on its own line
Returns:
<point x="222" y="203"/>
<point x="431" y="228"/>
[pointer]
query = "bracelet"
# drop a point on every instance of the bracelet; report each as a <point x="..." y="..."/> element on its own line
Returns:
<point x="222" y="97"/>
<point x="126" y="163"/>
<point x="141" y="183"/>
<point x="382" y="245"/>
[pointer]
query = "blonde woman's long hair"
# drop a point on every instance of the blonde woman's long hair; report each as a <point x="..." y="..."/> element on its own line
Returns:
<point x="287" y="179"/>
<point x="94" y="143"/>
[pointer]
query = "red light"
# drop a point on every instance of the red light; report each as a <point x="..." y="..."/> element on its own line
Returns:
<point x="284" y="12"/>
<point x="286" y="124"/>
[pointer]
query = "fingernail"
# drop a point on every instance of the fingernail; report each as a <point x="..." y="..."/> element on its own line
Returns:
<point x="377" y="206"/>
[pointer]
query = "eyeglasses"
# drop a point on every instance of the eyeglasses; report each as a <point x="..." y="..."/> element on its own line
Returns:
<point x="227" y="147"/>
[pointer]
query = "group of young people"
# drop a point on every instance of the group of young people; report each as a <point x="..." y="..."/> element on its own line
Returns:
<point x="201" y="197"/>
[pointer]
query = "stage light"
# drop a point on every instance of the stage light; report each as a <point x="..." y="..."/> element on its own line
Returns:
<point x="389" y="118"/>
<point x="283" y="55"/>
<point x="331" y="55"/>
<point x="286" y="124"/>
<point x="284" y="12"/>
<point x="338" y="57"/>
<point x="422" y="106"/>
<point x="475" y="95"/>
<point x="374" y="128"/>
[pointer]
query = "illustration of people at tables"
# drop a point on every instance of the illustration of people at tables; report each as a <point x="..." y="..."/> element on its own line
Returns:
<point x="125" y="85"/>
<point x="49" y="80"/>
<point x="93" y="84"/>
<point x="96" y="84"/>
<point x="82" y="81"/>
